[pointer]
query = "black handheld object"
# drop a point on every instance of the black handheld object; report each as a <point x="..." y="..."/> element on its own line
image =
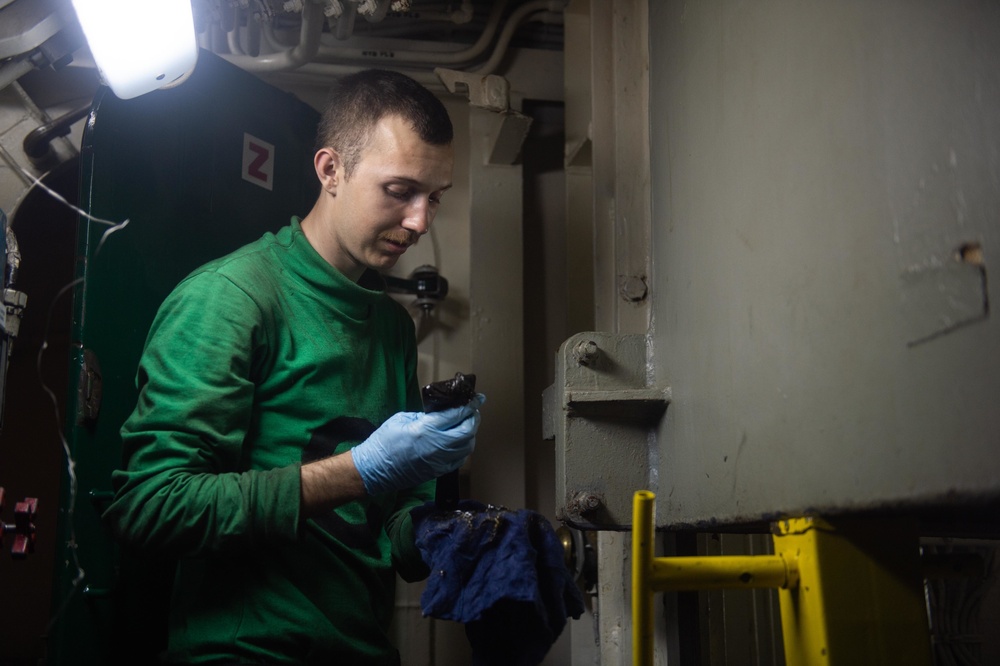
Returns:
<point x="453" y="392"/>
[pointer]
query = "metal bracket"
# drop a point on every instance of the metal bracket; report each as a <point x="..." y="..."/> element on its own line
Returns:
<point x="507" y="138"/>
<point x="492" y="93"/>
<point x="602" y="414"/>
<point x="579" y="153"/>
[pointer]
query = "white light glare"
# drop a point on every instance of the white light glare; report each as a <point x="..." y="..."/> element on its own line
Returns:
<point x="139" y="45"/>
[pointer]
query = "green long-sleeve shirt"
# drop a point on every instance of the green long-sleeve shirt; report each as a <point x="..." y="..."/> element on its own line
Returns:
<point x="256" y="363"/>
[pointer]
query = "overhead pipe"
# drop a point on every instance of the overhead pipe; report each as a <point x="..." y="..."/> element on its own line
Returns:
<point x="345" y="22"/>
<point x="539" y="10"/>
<point x="304" y="52"/>
<point x="458" y="16"/>
<point x="272" y="40"/>
<point x="37" y="144"/>
<point x="292" y="59"/>
<point x="340" y="15"/>
<point x="454" y="58"/>
<point x="233" y="41"/>
<point x="253" y="35"/>
<point x="464" y="14"/>
<point x="254" y="20"/>
<point x="316" y="73"/>
<point x="340" y="54"/>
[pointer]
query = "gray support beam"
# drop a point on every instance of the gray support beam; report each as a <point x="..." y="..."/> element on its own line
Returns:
<point x="579" y="284"/>
<point x="620" y="134"/>
<point x="497" y="316"/>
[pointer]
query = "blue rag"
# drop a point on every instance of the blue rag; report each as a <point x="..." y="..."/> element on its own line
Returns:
<point x="502" y="574"/>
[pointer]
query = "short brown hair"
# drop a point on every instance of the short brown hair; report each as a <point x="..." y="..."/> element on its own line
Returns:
<point x="357" y="103"/>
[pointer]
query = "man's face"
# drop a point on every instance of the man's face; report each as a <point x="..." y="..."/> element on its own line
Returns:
<point x="390" y="199"/>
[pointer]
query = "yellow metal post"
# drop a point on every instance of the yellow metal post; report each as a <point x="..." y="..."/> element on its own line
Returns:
<point x="851" y="591"/>
<point x="860" y="594"/>
<point x="642" y="565"/>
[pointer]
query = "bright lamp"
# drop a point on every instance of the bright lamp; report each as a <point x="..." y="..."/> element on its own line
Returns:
<point x="139" y="45"/>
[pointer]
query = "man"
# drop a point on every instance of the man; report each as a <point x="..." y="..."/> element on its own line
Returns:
<point x="277" y="447"/>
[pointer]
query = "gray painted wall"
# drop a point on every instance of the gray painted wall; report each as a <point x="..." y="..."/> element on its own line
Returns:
<point x="818" y="169"/>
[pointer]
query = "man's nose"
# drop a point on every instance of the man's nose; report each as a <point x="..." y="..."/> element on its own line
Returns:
<point x="418" y="217"/>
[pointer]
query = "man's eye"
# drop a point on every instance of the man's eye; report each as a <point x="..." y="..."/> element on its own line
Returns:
<point x="402" y="195"/>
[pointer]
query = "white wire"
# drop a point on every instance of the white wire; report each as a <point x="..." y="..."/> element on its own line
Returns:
<point x="115" y="226"/>
<point x="70" y="460"/>
<point x="70" y="463"/>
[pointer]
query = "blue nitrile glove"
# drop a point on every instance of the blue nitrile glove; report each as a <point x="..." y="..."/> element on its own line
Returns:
<point x="413" y="447"/>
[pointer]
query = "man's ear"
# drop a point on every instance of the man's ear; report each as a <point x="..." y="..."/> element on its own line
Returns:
<point x="329" y="169"/>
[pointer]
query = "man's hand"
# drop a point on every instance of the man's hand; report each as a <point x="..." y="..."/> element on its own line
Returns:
<point x="408" y="449"/>
<point x="413" y="447"/>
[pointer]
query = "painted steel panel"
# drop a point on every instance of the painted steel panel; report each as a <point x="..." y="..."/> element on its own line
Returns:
<point x="825" y="202"/>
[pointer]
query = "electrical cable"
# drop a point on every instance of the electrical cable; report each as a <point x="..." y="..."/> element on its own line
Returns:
<point x="435" y="331"/>
<point x="70" y="466"/>
<point x="80" y="574"/>
<point x="114" y="226"/>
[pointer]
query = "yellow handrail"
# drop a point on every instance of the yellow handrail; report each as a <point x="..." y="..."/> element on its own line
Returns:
<point x="659" y="574"/>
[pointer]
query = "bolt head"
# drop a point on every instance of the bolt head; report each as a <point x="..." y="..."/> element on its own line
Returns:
<point x="586" y="352"/>
<point x="634" y="288"/>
